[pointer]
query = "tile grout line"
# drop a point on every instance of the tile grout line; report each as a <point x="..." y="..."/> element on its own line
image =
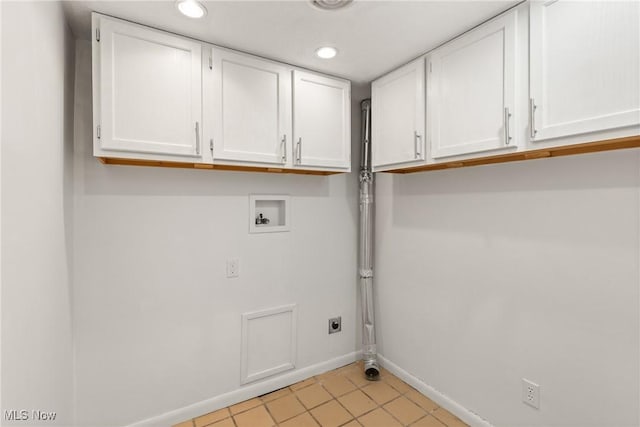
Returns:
<point x="311" y="415"/>
<point x="295" y="395"/>
<point x="396" y="418"/>
<point x="391" y="415"/>
<point x="266" y="408"/>
<point x="360" y="388"/>
<point x="244" y="410"/>
<point x="348" y="375"/>
<point x="305" y="408"/>
<point x="381" y="406"/>
<point x="343" y="407"/>
<point x="314" y="418"/>
<point x="334" y="397"/>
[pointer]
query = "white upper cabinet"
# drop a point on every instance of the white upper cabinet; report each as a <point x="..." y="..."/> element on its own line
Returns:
<point x="471" y="90"/>
<point x="584" y="67"/>
<point x="321" y="122"/>
<point x="397" y="117"/>
<point x="153" y="90"/>
<point x="147" y="92"/>
<point x="251" y="109"/>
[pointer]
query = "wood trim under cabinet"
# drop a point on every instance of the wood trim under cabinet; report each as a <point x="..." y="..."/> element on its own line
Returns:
<point x="165" y="164"/>
<point x="566" y="150"/>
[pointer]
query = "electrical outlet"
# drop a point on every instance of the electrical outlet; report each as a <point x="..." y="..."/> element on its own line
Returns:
<point x="335" y="325"/>
<point x="233" y="267"/>
<point x="531" y="393"/>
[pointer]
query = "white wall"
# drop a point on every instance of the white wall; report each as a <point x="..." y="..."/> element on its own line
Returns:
<point x="158" y="323"/>
<point x="37" y="142"/>
<point x="489" y="274"/>
<point x="1" y="211"/>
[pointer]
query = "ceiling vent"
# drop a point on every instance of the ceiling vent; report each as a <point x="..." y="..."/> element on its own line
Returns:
<point x="330" y="4"/>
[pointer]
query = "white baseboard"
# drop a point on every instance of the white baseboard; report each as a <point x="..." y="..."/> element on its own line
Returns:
<point x="442" y="400"/>
<point x="246" y="392"/>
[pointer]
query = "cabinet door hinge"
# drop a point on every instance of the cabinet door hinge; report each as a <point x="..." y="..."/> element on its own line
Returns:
<point x="98" y="34"/>
<point x="98" y="131"/>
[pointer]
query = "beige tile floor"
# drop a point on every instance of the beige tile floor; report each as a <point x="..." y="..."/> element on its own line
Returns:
<point x="342" y="397"/>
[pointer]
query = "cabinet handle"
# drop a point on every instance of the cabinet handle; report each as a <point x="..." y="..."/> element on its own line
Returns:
<point x="197" y="138"/>
<point x="507" y="135"/>
<point x="211" y="147"/>
<point x="417" y="142"/>
<point x="299" y="150"/>
<point x="283" y="144"/>
<point x="532" y="117"/>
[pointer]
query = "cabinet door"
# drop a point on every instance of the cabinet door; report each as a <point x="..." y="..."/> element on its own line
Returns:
<point x="321" y="121"/>
<point x="252" y="109"/>
<point x="149" y="90"/>
<point x="471" y="90"/>
<point x="584" y="67"/>
<point x="398" y="116"/>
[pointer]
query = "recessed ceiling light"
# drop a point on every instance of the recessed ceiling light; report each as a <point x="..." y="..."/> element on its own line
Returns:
<point x="330" y="4"/>
<point x="191" y="8"/>
<point x="326" y="52"/>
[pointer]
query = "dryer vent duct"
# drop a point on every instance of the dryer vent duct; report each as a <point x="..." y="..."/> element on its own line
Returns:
<point x="365" y="270"/>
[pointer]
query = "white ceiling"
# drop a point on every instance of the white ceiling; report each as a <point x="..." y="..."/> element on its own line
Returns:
<point x="373" y="37"/>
